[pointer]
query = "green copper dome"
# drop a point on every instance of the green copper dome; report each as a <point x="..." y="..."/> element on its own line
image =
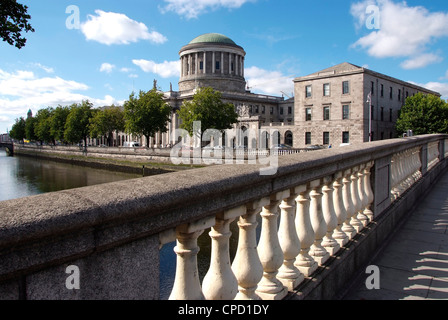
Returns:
<point x="213" y="38"/>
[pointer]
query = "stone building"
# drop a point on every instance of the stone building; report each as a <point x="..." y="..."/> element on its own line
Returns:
<point x="329" y="108"/>
<point x="332" y="108"/>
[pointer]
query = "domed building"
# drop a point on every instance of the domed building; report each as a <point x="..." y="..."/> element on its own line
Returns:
<point x="214" y="60"/>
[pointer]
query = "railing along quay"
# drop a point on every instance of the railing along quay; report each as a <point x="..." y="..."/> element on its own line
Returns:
<point x="315" y="205"/>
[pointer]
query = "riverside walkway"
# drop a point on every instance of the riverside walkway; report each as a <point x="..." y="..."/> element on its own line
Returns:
<point x="413" y="264"/>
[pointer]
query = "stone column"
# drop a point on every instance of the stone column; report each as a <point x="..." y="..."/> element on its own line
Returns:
<point x="304" y="262"/>
<point x="270" y="253"/>
<point x="348" y="205"/>
<point x="220" y="283"/>
<point x="329" y="243"/>
<point x="213" y="62"/>
<point x="318" y="252"/>
<point x="288" y="274"/>
<point x="247" y="266"/>
<point x="186" y="283"/>
<point x="357" y="205"/>
<point x="222" y="62"/>
<point x="205" y="62"/>
<point x="341" y="214"/>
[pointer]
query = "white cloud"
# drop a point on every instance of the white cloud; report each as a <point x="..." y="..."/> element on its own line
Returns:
<point x="22" y="90"/>
<point x="268" y="82"/>
<point x="107" y="67"/>
<point x="405" y="31"/>
<point x="45" y="68"/>
<point x="116" y="28"/>
<point x="167" y="69"/>
<point x="421" y="61"/>
<point x="192" y="9"/>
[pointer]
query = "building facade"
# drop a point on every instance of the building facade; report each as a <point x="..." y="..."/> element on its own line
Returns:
<point x="329" y="107"/>
<point x="344" y="103"/>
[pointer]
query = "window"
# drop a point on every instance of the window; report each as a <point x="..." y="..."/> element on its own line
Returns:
<point x="263" y="109"/>
<point x="272" y="110"/>
<point x="308" y="92"/>
<point x="345" y="87"/>
<point x="391" y="92"/>
<point x="308" y="138"/>
<point x="326" y="113"/>
<point x="390" y="115"/>
<point x="399" y="94"/>
<point x="289" y="110"/>
<point x="382" y="114"/>
<point x="326" y="90"/>
<point x="372" y="87"/>
<point x="326" y="138"/>
<point x="345" y="112"/>
<point x="256" y="109"/>
<point x="217" y="65"/>
<point x="372" y="116"/>
<point x="201" y="65"/>
<point x="382" y="90"/>
<point x="308" y="114"/>
<point x="346" y="137"/>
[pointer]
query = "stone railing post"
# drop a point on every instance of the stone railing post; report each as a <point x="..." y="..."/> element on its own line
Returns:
<point x="318" y="223"/>
<point x="270" y="252"/>
<point x="355" y="222"/>
<point x="348" y="205"/>
<point x="341" y="214"/>
<point x="220" y="283"/>
<point x="329" y="242"/>
<point x="304" y="262"/>
<point x="246" y="265"/>
<point x="288" y="274"/>
<point x="186" y="283"/>
<point x="362" y="196"/>
<point x="368" y="190"/>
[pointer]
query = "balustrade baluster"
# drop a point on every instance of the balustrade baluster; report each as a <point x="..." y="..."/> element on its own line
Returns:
<point x="304" y="262"/>
<point x="355" y="222"/>
<point x="288" y="274"/>
<point x="369" y="193"/>
<point x="329" y="242"/>
<point x="247" y="266"/>
<point x="220" y="283"/>
<point x="270" y="252"/>
<point x="318" y="223"/>
<point x="362" y="197"/>
<point x="341" y="214"/>
<point x="348" y="204"/>
<point x="186" y="283"/>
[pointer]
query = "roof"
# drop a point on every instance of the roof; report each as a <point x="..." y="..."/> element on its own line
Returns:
<point x="212" y="38"/>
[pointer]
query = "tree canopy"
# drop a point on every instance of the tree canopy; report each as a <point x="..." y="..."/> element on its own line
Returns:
<point x="423" y="114"/>
<point x="17" y="131"/>
<point x="77" y="125"/>
<point x="13" y="20"/>
<point x="208" y="108"/>
<point x="147" y="114"/>
<point x="106" y="121"/>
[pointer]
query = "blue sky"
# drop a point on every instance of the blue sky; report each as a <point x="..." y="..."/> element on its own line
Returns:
<point x="121" y="46"/>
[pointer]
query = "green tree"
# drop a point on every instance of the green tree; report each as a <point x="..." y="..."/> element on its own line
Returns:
<point x="58" y="120"/>
<point x="13" y="20"/>
<point x="107" y="121"/>
<point x="147" y="114"/>
<point x="17" y="131"/>
<point x="42" y="126"/>
<point x="423" y="114"/>
<point x="77" y="124"/>
<point x="30" y="124"/>
<point x="208" y="108"/>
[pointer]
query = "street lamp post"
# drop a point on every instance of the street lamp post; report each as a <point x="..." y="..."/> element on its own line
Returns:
<point x="369" y="101"/>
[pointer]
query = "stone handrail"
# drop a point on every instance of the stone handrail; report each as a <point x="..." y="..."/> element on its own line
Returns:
<point x="315" y="204"/>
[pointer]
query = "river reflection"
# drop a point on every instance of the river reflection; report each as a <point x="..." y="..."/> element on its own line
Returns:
<point x="26" y="176"/>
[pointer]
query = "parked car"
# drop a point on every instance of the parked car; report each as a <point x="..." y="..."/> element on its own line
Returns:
<point x="133" y="144"/>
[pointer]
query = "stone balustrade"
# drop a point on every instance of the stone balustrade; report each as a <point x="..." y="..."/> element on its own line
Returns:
<point x="291" y="225"/>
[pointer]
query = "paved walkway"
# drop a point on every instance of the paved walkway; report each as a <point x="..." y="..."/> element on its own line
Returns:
<point x="414" y="264"/>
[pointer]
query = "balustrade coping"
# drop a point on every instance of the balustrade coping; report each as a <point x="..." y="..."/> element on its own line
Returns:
<point x="124" y="211"/>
